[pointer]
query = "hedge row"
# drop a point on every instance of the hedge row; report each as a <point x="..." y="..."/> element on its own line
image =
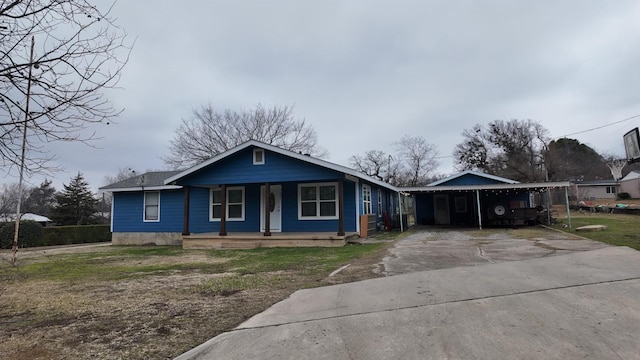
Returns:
<point x="33" y="234"/>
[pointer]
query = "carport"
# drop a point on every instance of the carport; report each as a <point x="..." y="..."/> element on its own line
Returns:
<point x="474" y="204"/>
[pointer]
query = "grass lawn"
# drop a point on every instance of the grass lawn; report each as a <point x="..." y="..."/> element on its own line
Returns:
<point x="622" y="230"/>
<point x="153" y="302"/>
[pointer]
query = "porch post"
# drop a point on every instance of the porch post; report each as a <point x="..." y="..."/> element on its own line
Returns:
<point x="340" y="207"/>
<point x="267" y="209"/>
<point x="185" y="223"/>
<point x="566" y="199"/>
<point x="479" y="209"/>
<point x="223" y="211"/>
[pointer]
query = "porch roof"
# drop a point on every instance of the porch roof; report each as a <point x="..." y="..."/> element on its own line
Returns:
<point x="524" y="186"/>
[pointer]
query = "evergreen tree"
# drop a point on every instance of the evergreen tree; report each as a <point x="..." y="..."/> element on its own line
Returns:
<point x="76" y="205"/>
<point x="40" y="200"/>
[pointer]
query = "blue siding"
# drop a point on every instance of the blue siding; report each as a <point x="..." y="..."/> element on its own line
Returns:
<point x="239" y="169"/>
<point x="470" y="179"/>
<point x="199" y="212"/>
<point x="128" y="212"/>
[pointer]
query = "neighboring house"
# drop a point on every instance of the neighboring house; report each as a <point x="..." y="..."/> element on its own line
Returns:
<point x="42" y="220"/>
<point x="595" y="189"/>
<point x="252" y="195"/>
<point x="631" y="184"/>
<point x="473" y="198"/>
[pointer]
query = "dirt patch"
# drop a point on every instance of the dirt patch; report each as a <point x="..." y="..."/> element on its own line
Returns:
<point x="152" y="317"/>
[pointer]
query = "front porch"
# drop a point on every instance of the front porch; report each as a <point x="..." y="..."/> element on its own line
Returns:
<point x="252" y="240"/>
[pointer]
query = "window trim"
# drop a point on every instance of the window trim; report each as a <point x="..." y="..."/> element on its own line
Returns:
<point x="255" y="152"/>
<point x="367" y="206"/>
<point x="144" y="207"/>
<point x="229" y="188"/>
<point x="318" y="201"/>
<point x="379" y="193"/>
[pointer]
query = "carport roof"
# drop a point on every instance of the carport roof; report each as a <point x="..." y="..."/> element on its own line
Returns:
<point x="524" y="186"/>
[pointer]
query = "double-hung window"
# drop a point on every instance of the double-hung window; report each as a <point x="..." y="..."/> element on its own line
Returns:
<point x="318" y="201"/>
<point x="235" y="204"/>
<point x="366" y="199"/>
<point x="152" y="206"/>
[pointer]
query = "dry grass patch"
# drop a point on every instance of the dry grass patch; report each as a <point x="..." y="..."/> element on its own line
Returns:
<point x="153" y="302"/>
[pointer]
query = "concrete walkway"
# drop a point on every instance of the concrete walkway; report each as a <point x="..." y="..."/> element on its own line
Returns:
<point x="574" y="306"/>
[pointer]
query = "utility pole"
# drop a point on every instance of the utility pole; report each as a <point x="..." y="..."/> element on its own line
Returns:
<point x="24" y="149"/>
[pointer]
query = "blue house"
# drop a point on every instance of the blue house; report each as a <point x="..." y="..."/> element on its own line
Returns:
<point x="252" y="195"/>
<point x="474" y="199"/>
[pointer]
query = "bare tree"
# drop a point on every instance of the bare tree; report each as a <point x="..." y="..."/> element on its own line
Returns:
<point x="209" y="132"/>
<point x="123" y="174"/>
<point x="418" y="159"/>
<point x="512" y="149"/>
<point x="56" y="57"/>
<point x="413" y="163"/>
<point x="615" y="165"/>
<point x="9" y="195"/>
<point x="377" y="164"/>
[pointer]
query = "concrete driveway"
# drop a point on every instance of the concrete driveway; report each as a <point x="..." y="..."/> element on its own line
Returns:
<point x="430" y="248"/>
<point x="581" y="304"/>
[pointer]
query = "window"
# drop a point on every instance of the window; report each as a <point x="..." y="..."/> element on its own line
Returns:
<point x="235" y="204"/>
<point x="460" y="204"/>
<point x="317" y="201"/>
<point x="366" y="199"/>
<point x="379" y="202"/>
<point x="611" y="189"/>
<point x="258" y="156"/>
<point x="152" y="206"/>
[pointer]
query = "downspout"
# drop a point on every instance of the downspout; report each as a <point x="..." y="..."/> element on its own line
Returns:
<point x="357" y="196"/>
<point x="479" y="212"/>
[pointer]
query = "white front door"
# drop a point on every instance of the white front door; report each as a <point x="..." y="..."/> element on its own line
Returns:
<point x="441" y="209"/>
<point x="275" y="205"/>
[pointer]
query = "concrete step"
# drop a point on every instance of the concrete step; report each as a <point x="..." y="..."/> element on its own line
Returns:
<point x="240" y="245"/>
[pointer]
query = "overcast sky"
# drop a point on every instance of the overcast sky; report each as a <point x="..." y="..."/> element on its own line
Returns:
<point x="364" y="73"/>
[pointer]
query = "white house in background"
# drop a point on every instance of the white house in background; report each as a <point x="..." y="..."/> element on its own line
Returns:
<point x="631" y="184"/>
<point x="596" y="189"/>
<point x="43" y="220"/>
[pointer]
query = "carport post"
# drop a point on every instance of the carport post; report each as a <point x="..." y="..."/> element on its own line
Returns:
<point x="548" y="207"/>
<point x="566" y="199"/>
<point x="400" y="211"/>
<point x="479" y="213"/>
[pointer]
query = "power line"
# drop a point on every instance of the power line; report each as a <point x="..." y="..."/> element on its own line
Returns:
<point x="600" y="127"/>
<point x="575" y="133"/>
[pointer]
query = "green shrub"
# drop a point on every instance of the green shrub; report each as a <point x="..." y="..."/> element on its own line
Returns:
<point x="76" y="234"/>
<point x="623" y="196"/>
<point x="29" y="234"/>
